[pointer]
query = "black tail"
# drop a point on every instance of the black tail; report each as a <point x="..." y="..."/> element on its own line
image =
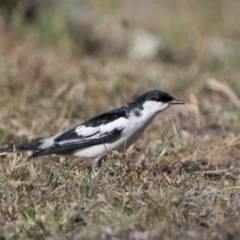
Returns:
<point x="22" y="147"/>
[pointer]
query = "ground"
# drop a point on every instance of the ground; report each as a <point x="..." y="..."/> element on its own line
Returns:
<point x="180" y="180"/>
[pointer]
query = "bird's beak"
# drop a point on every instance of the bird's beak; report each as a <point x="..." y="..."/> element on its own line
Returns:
<point x="176" y="101"/>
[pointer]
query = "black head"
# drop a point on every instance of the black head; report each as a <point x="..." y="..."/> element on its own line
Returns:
<point x="158" y="96"/>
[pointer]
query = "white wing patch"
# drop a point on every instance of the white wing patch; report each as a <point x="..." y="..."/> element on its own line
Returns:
<point x="102" y="130"/>
<point x="85" y="132"/>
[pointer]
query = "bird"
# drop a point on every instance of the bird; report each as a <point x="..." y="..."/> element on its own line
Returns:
<point x="115" y="130"/>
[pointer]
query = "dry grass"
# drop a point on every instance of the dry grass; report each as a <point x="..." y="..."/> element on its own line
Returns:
<point x="179" y="181"/>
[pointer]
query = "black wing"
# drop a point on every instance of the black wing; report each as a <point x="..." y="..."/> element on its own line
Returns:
<point x="97" y="121"/>
<point x="71" y="146"/>
<point x="104" y="128"/>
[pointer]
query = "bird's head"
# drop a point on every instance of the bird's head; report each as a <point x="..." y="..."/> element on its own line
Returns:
<point x="156" y="101"/>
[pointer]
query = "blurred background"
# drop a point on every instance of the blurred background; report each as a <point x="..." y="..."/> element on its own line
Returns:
<point x="66" y="60"/>
<point x="169" y="31"/>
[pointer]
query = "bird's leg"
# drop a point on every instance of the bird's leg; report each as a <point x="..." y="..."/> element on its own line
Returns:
<point x="96" y="164"/>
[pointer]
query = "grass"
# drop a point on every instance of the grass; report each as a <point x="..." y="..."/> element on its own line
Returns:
<point x="180" y="180"/>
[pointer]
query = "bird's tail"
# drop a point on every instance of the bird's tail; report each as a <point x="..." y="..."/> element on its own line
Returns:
<point x="22" y="147"/>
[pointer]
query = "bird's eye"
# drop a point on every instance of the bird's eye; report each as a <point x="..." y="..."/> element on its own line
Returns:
<point x="158" y="99"/>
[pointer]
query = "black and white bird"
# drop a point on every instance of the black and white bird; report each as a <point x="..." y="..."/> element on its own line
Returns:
<point x="113" y="130"/>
